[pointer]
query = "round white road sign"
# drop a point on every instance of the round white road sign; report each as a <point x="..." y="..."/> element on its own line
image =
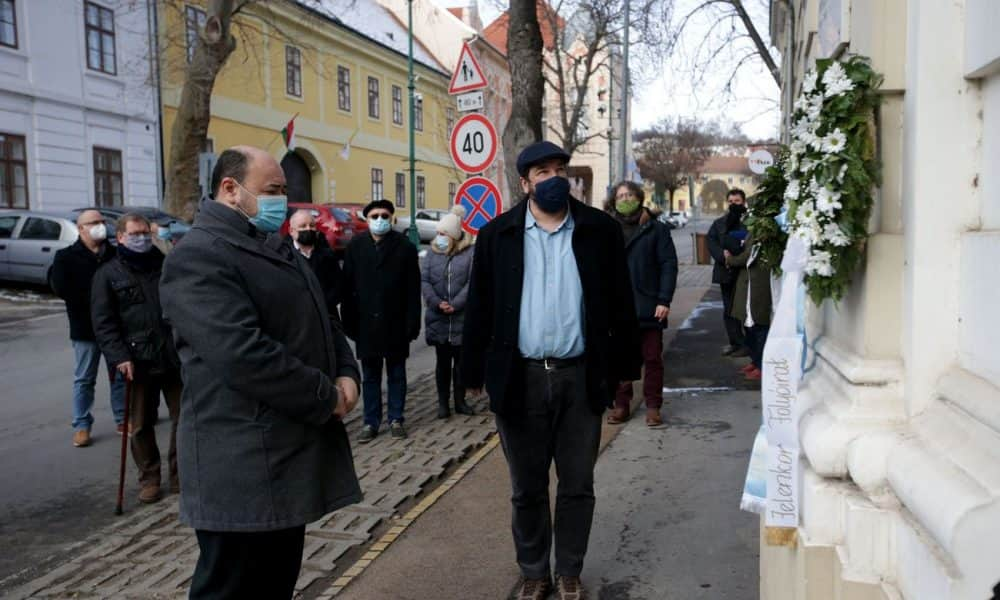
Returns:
<point x="759" y="161"/>
<point x="474" y="143"/>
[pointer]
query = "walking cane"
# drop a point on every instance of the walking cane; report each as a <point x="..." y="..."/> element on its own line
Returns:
<point x="125" y="435"/>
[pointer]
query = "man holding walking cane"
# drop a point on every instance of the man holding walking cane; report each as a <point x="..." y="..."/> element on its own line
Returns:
<point x="132" y="334"/>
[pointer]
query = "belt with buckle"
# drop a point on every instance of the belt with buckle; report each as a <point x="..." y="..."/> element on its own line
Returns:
<point x="552" y="364"/>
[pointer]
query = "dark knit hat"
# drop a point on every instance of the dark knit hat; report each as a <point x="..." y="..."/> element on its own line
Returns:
<point x="537" y="153"/>
<point x="383" y="203"/>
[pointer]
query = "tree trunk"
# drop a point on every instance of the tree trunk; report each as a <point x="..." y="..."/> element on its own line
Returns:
<point x="187" y="137"/>
<point x="670" y="201"/>
<point x="524" y="55"/>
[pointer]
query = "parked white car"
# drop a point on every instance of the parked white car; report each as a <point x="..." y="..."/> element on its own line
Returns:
<point x="29" y="241"/>
<point x="427" y="220"/>
<point x="677" y="218"/>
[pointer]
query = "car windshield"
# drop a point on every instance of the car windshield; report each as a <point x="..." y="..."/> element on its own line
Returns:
<point x="341" y="215"/>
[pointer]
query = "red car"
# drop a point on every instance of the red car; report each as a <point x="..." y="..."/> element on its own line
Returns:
<point x="360" y="223"/>
<point x="335" y="223"/>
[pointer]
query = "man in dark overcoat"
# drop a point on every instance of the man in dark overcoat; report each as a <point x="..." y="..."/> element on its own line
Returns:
<point x="727" y="234"/>
<point x="551" y="331"/>
<point x="381" y="313"/>
<point x="268" y="378"/>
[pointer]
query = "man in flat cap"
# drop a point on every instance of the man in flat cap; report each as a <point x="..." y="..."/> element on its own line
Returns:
<point x="550" y="367"/>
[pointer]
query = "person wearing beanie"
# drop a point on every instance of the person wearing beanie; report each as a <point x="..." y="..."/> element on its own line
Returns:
<point x="550" y="366"/>
<point x="652" y="266"/>
<point x="445" y="287"/>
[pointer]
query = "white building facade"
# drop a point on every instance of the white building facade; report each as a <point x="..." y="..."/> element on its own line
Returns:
<point x="900" y="419"/>
<point x="79" y="117"/>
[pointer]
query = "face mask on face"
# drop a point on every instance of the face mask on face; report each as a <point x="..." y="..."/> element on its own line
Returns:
<point x="138" y="242"/>
<point x="442" y="242"/>
<point x="627" y="207"/>
<point x="307" y="237"/>
<point x="98" y="232"/>
<point x="379" y="225"/>
<point x="552" y="195"/>
<point x="737" y="209"/>
<point x="271" y="211"/>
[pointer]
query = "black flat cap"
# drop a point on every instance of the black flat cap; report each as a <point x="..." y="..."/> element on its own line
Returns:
<point x="537" y="153"/>
<point x="383" y="203"/>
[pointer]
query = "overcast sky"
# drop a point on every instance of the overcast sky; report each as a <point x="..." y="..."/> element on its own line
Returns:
<point x="670" y="91"/>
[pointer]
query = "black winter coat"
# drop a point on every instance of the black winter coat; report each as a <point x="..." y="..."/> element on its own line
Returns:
<point x="128" y="320"/>
<point x="490" y="352"/>
<point x="652" y="265"/>
<point x="258" y="449"/>
<point x="719" y="240"/>
<point x="381" y="299"/>
<point x="326" y="267"/>
<point x="72" y="274"/>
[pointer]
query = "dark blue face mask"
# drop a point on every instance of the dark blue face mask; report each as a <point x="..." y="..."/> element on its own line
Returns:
<point x="552" y="195"/>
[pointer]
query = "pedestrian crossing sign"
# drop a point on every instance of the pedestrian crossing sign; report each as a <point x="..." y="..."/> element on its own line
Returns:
<point x="468" y="75"/>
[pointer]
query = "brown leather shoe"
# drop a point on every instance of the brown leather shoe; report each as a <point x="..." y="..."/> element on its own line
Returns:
<point x="618" y="415"/>
<point x="533" y="589"/>
<point x="570" y="588"/>
<point x="149" y="493"/>
<point x="653" y="418"/>
<point x="81" y="438"/>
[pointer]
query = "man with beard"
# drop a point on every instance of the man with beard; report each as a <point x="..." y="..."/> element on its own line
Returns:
<point x="550" y="367"/>
<point x="727" y="234"/>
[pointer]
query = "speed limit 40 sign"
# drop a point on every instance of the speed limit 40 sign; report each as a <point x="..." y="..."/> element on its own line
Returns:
<point x="474" y="143"/>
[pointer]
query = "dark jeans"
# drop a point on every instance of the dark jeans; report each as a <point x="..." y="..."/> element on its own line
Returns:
<point x="652" y="377"/>
<point x="557" y="424"/>
<point x="756" y="338"/>
<point x="371" y="389"/>
<point x="145" y="403"/>
<point x="239" y="565"/>
<point x="446" y="372"/>
<point x="734" y="329"/>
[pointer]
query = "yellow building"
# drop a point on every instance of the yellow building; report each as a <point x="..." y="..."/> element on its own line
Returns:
<point x="341" y="67"/>
<point x="718" y="175"/>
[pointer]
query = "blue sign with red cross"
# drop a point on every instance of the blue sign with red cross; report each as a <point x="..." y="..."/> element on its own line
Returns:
<point x="482" y="203"/>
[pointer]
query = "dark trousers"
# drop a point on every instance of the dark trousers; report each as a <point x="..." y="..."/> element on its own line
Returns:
<point x="756" y="338"/>
<point x="239" y="565"/>
<point x="652" y="377"/>
<point x="557" y="424"/>
<point x="446" y="373"/>
<point x="371" y="389"/>
<point x="145" y="403"/>
<point x="734" y="329"/>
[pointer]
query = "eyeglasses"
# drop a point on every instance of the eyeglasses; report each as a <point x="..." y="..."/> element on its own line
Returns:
<point x="379" y="217"/>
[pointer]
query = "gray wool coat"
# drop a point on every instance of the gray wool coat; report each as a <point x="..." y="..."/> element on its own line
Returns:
<point x="258" y="448"/>
<point x="445" y="278"/>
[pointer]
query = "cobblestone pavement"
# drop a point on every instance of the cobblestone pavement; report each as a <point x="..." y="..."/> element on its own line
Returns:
<point x="149" y="554"/>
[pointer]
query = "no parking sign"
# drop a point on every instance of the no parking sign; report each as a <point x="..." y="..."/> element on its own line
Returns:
<point x="481" y="200"/>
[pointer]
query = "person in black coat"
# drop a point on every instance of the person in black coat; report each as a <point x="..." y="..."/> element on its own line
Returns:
<point x="309" y="242"/>
<point x="550" y="366"/>
<point x="381" y="311"/>
<point x="268" y="380"/>
<point x="652" y="265"/>
<point x="727" y="233"/>
<point x="132" y="334"/>
<point x="72" y="275"/>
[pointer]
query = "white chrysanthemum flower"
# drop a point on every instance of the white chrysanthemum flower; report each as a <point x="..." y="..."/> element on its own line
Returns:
<point x="819" y="263"/>
<point x="807" y="165"/>
<point x="797" y="147"/>
<point x="792" y="190"/>
<point x="834" y="235"/>
<point x="842" y="173"/>
<point x="835" y="142"/>
<point x="827" y="201"/>
<point x="805" y="214"/>
<point x="835" y="81"/>
<point x="809" y="82"/>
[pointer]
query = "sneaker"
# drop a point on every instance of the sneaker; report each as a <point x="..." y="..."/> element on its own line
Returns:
<point x="367" y="434"/>
<point x="397" y="430"/>
<point x="81" y="438"/>
<point x="150" y="493"/>
<point x="618" y="415"/>
<point x="120" y="428"/>
<point x="754" y="375"/>
<point x="727" y="350"/>
<point x="747" y="368"/>
<point x="653" y="419"/>
<point x="570" y="588"/>
<point x="533" y="589"/>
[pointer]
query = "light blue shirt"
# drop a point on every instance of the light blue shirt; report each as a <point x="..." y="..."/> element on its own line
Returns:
<point x="552" y="297"/>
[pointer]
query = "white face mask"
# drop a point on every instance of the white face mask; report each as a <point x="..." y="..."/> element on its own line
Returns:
<point x="98" y="232"/>
<point x="442" y="242"/>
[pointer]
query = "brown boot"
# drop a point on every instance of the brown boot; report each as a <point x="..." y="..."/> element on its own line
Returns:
<point x="570" y="588"/>
<point x="618" y="415"/>
<point x="149" y="493"/>
<point x="533" y="589"/>
<point x="653" y="418"/>
<point x="81" y="438"/>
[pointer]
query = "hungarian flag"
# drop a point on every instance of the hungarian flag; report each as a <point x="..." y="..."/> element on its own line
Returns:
<point x="288" y="134"/>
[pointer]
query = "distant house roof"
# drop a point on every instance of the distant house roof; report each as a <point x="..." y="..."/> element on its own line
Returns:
<point x="496" y="32"/>
<point x="727" y="164"/>
<point x="374" y="22"/>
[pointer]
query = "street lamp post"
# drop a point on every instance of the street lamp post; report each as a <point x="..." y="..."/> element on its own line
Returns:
<point x="412" y="232"/>
<point x="625" y="98"/>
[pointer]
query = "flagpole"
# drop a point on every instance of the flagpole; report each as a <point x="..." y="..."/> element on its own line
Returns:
<point x="277" y="135"/>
